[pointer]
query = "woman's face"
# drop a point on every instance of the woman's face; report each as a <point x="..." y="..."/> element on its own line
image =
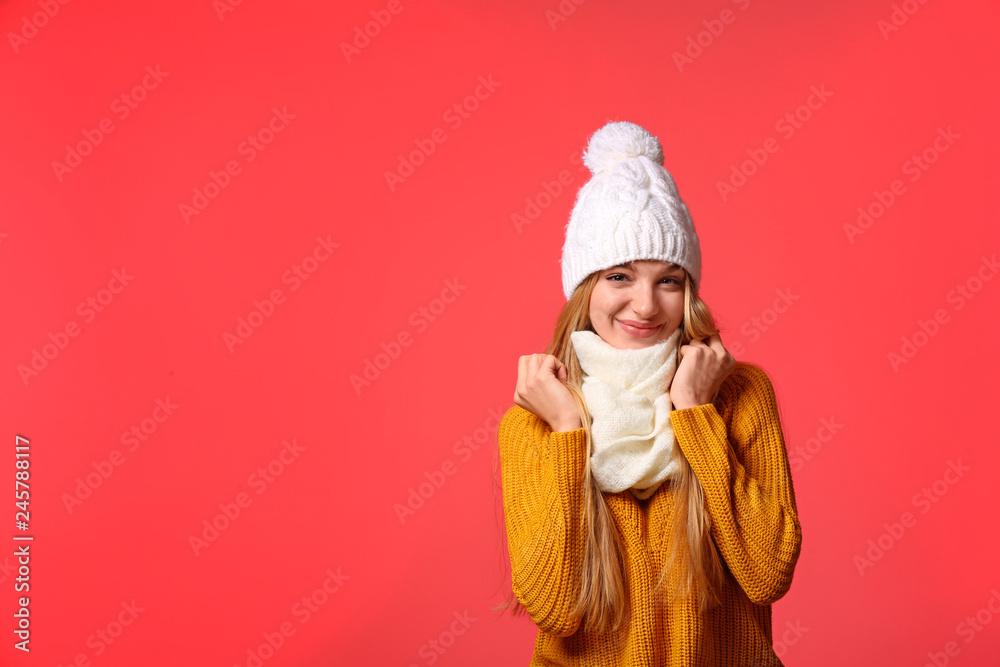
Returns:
<point x="639" y="304"/>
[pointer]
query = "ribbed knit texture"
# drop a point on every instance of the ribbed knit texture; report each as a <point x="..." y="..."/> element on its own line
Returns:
<point x="748" y="489"/>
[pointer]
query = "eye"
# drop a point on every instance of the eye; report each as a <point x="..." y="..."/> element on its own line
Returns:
<point x="614" y="277"/>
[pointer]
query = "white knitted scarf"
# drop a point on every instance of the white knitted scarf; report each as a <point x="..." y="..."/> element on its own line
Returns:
<point x="626" y="394"/>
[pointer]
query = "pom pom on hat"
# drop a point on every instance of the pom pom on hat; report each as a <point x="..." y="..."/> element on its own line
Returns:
<point x="619" y="141"/>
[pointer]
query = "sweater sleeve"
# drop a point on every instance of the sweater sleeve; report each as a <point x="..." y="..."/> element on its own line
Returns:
<point x="749" y="492"/>
<point x="542" y="475"/>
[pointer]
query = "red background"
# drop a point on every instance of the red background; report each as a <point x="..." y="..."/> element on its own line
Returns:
<point x="556" y="79"/>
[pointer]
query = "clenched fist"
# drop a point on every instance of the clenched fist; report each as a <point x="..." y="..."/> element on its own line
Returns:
<point x="703" y="366"/>
<point x="541" y="389"/>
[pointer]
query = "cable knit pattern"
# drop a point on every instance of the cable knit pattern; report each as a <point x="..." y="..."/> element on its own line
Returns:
<point x="736" y="448"/>
<point x="629" y="209"/>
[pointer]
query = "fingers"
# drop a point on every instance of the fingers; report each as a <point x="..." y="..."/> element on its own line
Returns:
<point x="703" y="342"/>
<point x="522" y="376"/>
<point x="690" y="347"/>
<point x="713" y="342"/>
<point x="712" y="345"/>
<point x="531" y="365"/>
<point x="527" y="368"/>
<point x="533" y="380"/>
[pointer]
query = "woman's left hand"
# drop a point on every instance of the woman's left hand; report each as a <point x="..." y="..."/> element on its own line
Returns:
<point x="702" y="368"/>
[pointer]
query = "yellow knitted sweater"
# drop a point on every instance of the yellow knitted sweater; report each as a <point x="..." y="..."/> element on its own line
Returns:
<point x="736" y="448"/>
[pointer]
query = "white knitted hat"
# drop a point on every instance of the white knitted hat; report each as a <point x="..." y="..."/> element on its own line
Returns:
<point x="629" y="210"/>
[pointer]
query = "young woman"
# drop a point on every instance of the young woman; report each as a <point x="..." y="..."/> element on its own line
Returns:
<point x="647" y="496"/>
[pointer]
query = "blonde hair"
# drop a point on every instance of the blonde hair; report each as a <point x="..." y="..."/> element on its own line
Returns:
<point x="692" y="566"/>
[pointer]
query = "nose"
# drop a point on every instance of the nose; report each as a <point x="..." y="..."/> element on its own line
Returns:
<point x="644" y="301"/>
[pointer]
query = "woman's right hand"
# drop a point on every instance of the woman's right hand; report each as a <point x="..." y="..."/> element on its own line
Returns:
<point x="541" y="389"/>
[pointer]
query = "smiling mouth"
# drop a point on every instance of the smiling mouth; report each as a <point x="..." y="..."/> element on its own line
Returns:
<point x="640" y="330"/>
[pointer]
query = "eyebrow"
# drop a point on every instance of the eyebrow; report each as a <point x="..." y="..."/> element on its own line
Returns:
<point x="672" y="268"/>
